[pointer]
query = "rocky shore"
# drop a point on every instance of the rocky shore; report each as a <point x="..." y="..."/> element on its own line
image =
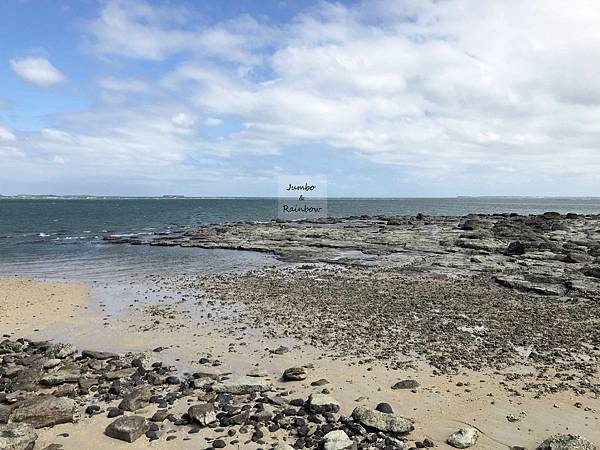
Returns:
<point x="549" y="254"/>
<point x="376" y="333"/>
<point x="44" y="385"/>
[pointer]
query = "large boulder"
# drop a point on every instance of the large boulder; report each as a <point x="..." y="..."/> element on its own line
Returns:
<point x="17" y="436"/>
<point x="127" y="428"/>
<point x="566" y="442"/>
<point x="338" y="440"/>
<point x="136" y="399"/>
<point x="463" y="438"/>
<point x="239" y="385"/>
<point x="44" y="411"/>
<point x="381" y="421"/>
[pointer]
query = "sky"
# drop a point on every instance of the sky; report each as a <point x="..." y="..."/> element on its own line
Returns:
<point x="394" y="98"/>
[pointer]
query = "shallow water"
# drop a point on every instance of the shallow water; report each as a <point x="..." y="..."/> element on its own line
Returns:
<point x="59" y="238"/>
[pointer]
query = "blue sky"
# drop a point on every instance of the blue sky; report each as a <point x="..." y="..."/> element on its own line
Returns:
<point x="404" y="98"/>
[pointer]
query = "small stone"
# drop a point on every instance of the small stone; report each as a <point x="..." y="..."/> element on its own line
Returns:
<point x="127" y="428"/>
<point x="463" y="438"/>
<point x="384" y="408"/>
<point x="114" y="412"/>
<point x="203" y="414"/>
<point x="218" y="443"/>
<point x="294" y="374"/>
<point x="98" y="355"/>
<point x="321" y="403"/>
<point x="406" y="384"/>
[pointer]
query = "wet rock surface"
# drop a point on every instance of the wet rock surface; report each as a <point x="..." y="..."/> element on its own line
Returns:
<point x="547" y="253"/>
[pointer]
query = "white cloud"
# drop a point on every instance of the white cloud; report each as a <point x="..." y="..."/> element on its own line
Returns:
<point x="6" y="134"/>
<point x="183" y="120"/>
<point x="37" y="71"/>
<point x="212" y="122"/>
<point x="493" y="91"/>
<point x="123" y="85"/>
<point x="56" y="135"/>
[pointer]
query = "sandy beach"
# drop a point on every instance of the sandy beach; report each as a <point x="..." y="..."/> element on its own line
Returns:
<point x="442" y="353"/>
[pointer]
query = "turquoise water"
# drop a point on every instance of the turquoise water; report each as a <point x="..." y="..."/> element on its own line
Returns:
<point x="47" y="237"/>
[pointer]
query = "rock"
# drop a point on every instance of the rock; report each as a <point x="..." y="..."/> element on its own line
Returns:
<point x="136" y="399"/>
<point x="566" y="442"/>
<point x="282" y="446"/>
<point x="385" y="408"/>
<point x="258" y="373"/>
<point x="203" y="414"/>
<point x="515" y="248"/>
<point x="338" y="440"/>
<point x="577" y="257"/>
<point x="60" y="377"/>
<point x="321" y="403"/>
<point x="17" y="436"/>
<point x="593" y="272"/>
<point x="463" y="438"/>
<point x="406" y="384"/>
<point x="239" y="385"/>
<point x="382" y="421"/>
<point x="64" y="350"/>
<point x="51" y="363"/>
<point x="44" y="411"/>
<point x="98" y="355"/>
<point x="321" y="382"/>
<point x="294" y="374"/>
<point x="114" y="412"/>
<point x="127" y="428"/>
<point x="122" y="373"/>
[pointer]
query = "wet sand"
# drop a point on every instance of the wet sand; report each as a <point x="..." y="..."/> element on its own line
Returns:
<point x="191" y="329"/>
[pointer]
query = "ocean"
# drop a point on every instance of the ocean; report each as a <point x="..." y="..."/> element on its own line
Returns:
<point x="56" y="238"/>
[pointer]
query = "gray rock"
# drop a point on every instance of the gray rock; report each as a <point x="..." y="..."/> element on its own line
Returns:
<point x="59" y="377"/>
<point x="44" y="411"/>
<point x="238" y="385"/>
<point x="577" y="257"/>
<point x="63" y="350"/>
<point x="127" y="428"/>
<point x="136" y="399"/>
<point x="406" y="384"/>
<point x="17" y="436"/>
<point x="282" y="446"/>
<point x="382" y="421"/>
<point x="320" y="403"/>
<point x="98" y="355"/>
<point x="294" y="374"/>
<point x="566" y="442"/>
<point x="203" y="414"/>
<point x="338" y="440"/>
<point x="463" y="438"/>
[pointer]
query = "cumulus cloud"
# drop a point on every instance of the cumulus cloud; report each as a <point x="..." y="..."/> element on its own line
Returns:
<point x="37" y="71"/>
<point x="6" y="134"/>
<point x="454" y="90"/>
